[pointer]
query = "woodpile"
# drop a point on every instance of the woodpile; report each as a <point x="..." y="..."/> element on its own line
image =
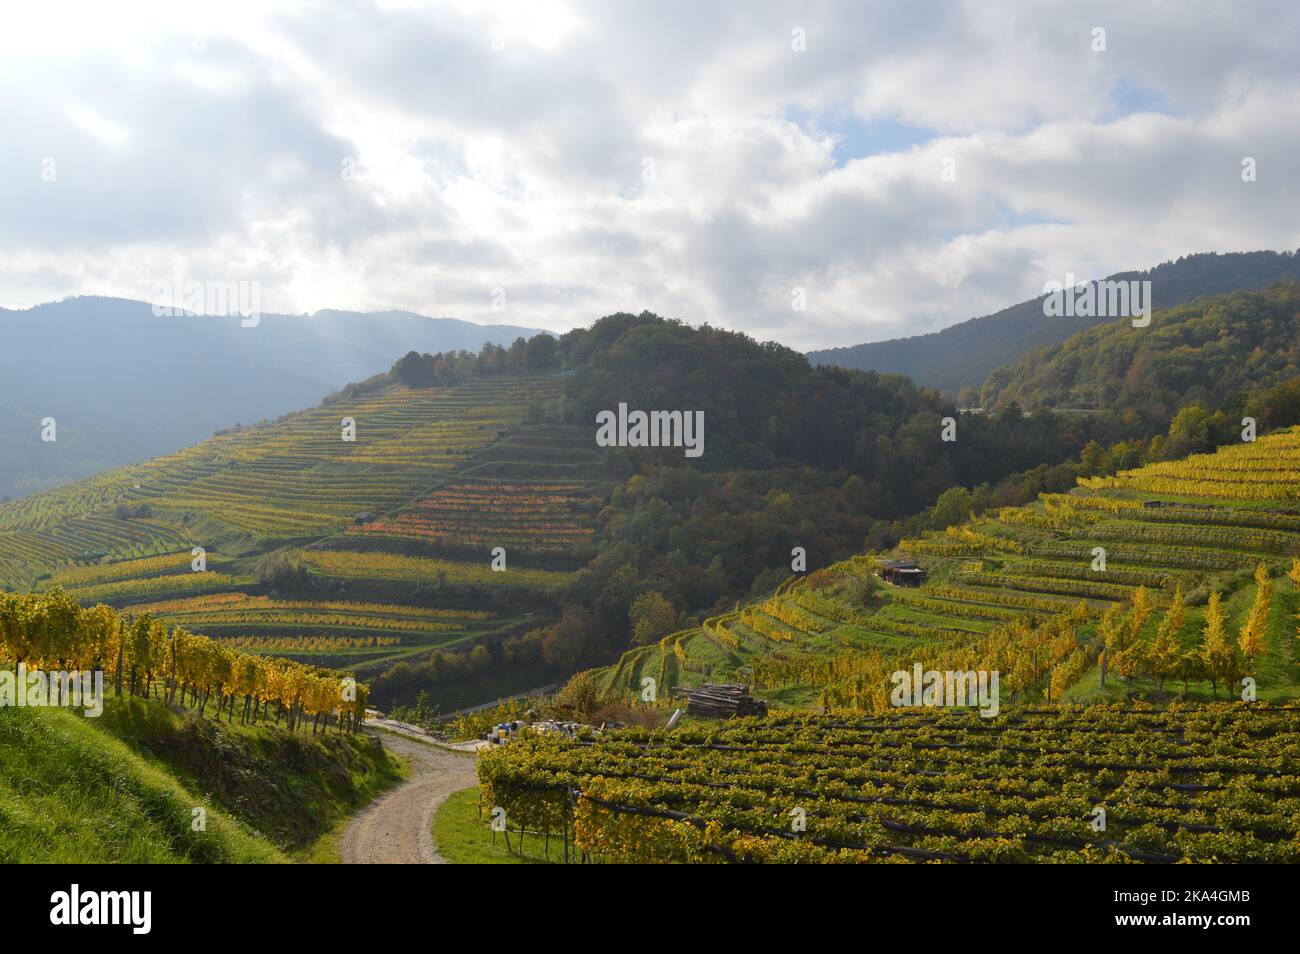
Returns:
<point x="719" y="701"/>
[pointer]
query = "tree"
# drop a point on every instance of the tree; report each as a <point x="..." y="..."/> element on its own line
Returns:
<point x="1189" y="430"/>
<point x="1112" y="633"/>
<point x="653" y="617"/>
<point x="1252" y="634"/>
<point x="1218" y="655"/>
<point x="1123" y="635"/>
<point x="414" y="370"/>
<point x="540" y="352"/>
<point x="1190" y="666"/>
<point x="953" y="507"/>
<point x="573" y="641"/>
<point x="1141" y="608"/>
<point x="1164" y="659"/>
<point x="283" y="574"/>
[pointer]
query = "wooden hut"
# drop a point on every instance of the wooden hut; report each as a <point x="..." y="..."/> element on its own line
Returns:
<point x="900" y="572"/>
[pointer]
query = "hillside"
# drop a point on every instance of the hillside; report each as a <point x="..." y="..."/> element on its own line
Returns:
<point x="376" y="554"/>
<point x="117" y="363"/>
<point x="965" y="354"/>
<point x="1146" y="763"/>
<point x="123" y="787"/>
<point x="319" y="548"/>
<point x="1015" y="591"/>
<point x="1204" y="352"/>
<point x="114" y="806"/>
<point x="146" y="741"/>
<point x="798" y="462"/>
<point x="472" y="541"/>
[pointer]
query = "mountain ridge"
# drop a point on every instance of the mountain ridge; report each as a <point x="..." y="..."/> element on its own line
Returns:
<point x="964" y="354"/>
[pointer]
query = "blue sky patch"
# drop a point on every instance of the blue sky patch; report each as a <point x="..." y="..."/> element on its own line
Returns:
<point x="855" y="139"/>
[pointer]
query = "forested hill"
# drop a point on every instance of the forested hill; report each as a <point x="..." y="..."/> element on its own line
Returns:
<point x="1206" y="352"/>
<point x="794" y="457"/>
<point x="766" y="408"/>
<point x="965" y="354"/>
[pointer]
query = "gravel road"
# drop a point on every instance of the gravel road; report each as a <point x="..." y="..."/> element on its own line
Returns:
<point x="398" y="827"/>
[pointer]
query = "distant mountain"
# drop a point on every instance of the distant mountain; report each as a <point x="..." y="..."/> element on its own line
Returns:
<point x="965" y="354"/>
<point x="124" y="385"/>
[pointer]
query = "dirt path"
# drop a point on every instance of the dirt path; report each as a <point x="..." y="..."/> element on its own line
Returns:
<point x="398" y="828"/>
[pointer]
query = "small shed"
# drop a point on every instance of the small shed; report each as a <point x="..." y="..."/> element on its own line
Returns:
<point x="900" y="572"/>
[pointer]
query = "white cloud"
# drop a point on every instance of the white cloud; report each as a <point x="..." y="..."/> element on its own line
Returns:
<point x="214" y="142"/>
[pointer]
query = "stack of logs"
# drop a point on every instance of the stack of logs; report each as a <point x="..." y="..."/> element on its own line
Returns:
<point x="723" y="701"/>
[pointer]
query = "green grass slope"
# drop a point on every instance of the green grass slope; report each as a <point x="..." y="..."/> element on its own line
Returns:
<point x="122" y="788"/>
<point x="71" y="793"/>
<point x="463" y="835"/>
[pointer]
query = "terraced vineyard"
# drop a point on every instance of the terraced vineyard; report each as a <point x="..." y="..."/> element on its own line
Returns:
<point x="1022" y="592"/>
<point x="488" y="505"/>
<point x="354" y="631"/>
<point x="539" y="517"/>
<point x="1198" y="589"/>
<point x="1213" y="783"/>
<point x="374" y="565"/>
<point x="392" y="501"/>
<point x="298" y="478"/>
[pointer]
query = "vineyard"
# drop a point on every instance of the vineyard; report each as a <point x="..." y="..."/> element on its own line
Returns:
<point x="1097" y="784"/>
<point x="140" y="655"/>
<point x="534" y="493"/>
<point x="1143" y="629"/>
<point x="297" y="478"/>
<point x="538" y="517"/>
<point x="392" y="502"/>
<point x="1264" y="470"/>
<point x="353" y="631"/>
<point x="1045" y="594"/>
<point x="372" y="565"/>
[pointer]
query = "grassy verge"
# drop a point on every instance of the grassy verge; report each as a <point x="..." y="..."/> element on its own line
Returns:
<point x="465" y="838"/>
<point x="125" y="787"/>
<point x="293" y="788"/>
<point x="72" y="793"/>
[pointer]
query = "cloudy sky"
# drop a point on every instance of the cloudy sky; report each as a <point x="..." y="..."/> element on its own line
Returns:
<point x="908" y="165"/>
